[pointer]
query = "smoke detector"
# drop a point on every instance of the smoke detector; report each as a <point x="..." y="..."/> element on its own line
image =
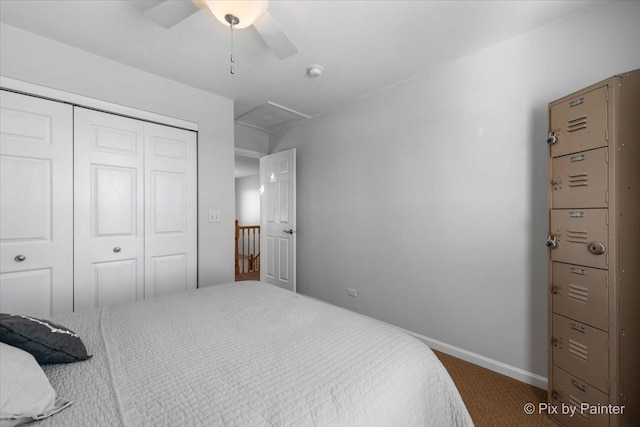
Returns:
<point x="314" y="70"/>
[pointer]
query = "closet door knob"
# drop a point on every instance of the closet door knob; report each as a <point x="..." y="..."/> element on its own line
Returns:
<point x="117" y="249"/>
<point x="20" y="258"/>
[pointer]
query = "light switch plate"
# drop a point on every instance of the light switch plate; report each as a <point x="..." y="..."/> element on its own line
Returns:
<point x="214" y="216"/>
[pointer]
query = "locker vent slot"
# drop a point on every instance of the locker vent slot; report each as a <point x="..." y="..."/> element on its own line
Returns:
<point x="579" y="180"/>
<point x="573" y="401"/>
<point x="577" y="236"/>
<point x="578" y="350"/>
<point x="577" y="124"/>
<point x="578" y="293"/>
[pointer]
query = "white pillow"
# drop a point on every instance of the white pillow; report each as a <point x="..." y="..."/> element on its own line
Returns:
<point x="25" y="392"/>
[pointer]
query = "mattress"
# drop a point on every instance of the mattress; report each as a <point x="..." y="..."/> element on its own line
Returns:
<point x="249" y="354"/>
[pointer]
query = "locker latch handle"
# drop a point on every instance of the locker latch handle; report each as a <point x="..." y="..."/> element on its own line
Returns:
<point x="556" y="395"/>
<point x="552" y="241"/>
<point x="596" y="248"/>
<point x="552" y="138"/>
<point x="556" y="342"/>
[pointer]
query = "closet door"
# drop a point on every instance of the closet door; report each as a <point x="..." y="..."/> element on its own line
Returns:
<point x="36" y="218"/>
<point x="170" y="215"/>
<point x="109" y="209"/>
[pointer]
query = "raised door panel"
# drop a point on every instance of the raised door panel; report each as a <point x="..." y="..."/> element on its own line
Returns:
<point x="171" y="215"/>
<point x="109" y="209"/>
<point x="25" y="215"/>
<point x="36" y="216"/>
<point x="169" y="274"/>
<point x="114" y="201"/>
<point x="115" y="282"/>
<point x="27" y="292"/>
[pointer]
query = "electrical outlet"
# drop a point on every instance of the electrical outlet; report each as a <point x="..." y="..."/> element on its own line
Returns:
<point x="351" y="292"/>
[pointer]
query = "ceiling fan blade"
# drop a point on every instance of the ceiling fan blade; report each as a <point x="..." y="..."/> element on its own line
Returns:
<point x="169" y="13"/>
<point x="274" y="37"/>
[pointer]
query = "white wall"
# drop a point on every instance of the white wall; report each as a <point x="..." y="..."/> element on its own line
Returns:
<point x="248" y="200"/>
<point x="38" y="60"/>
<point x="429" y="198"/>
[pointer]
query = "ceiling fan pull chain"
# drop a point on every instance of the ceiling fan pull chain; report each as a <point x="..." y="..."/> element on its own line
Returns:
<point x="232" y="71"/>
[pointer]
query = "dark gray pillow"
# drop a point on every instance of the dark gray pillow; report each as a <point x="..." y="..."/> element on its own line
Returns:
<point x="48" y="342"/>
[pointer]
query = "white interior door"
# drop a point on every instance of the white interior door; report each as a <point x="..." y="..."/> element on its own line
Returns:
<point x="278" y="219"/>
<point x="36" y="218"/>
<point x="170" y="215"/>
<point x="109" y="209"/>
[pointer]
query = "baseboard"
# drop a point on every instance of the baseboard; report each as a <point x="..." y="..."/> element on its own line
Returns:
<point x="477" y="359"/>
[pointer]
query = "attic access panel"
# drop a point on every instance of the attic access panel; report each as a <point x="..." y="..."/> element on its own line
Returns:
<point x="270" y="117"/>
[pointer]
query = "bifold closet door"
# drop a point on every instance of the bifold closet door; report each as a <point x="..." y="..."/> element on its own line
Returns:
<point x="135" y="209"/>
<point x="170" y="214"/>
<point x="109" y="209"/>
<point x="36" y="218"/>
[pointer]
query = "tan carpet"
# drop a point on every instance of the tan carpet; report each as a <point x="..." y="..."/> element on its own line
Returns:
<point x="494" y="400"/>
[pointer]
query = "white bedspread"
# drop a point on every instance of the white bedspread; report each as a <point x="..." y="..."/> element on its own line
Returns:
<point x="249" y="354"/>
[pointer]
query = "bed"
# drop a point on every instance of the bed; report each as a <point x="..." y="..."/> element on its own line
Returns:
<point x="248" y="354"/>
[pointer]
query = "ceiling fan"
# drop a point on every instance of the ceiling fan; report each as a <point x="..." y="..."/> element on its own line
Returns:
<point x="238" y="14"/>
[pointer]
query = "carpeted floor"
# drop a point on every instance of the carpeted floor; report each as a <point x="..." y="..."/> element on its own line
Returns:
<point x="494" y="400"/>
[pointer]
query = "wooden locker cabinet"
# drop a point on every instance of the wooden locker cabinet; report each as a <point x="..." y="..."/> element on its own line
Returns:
<point x="594" y="252"/>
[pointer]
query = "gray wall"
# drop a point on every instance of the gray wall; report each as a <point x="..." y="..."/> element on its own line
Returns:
<point x="248" y="200"/>
<point x="38" y="60"/>
<point x="429" y="198"/>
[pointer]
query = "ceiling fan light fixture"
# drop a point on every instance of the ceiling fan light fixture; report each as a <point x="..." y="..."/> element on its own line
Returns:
<point x="245" y="11"/>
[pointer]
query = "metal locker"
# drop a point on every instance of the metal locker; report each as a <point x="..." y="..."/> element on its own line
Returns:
<point x="581" y="293"/>
<point x="579" y="123"/>
<point x="581" y="351"/>
<point x="594" y="250"/>
<point x="573" y="392"/>
<point x="580" y="180"/>
<point x="579" y="236"/>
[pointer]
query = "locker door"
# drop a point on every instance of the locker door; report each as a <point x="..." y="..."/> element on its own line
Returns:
<point x="581" y="351"/>
<point x="581" y="293"/>
<point x="580" y="123"/>
<point x="571" y="391"/>
<point x="579" y="233"/>
<point x="580" y="180"/>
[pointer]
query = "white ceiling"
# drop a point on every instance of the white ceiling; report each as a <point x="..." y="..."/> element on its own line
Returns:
<point x="364" y="46"/>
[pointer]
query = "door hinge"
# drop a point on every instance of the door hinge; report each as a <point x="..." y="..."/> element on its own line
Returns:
<point x="606" y="156"/>
<point x="606" y="134"/>
<point x="606" y="196"/>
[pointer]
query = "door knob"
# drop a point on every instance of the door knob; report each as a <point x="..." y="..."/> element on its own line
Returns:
<point x="289" y="231"/>
<point x="117" y="249"/>
<point x="20" y="258"/>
